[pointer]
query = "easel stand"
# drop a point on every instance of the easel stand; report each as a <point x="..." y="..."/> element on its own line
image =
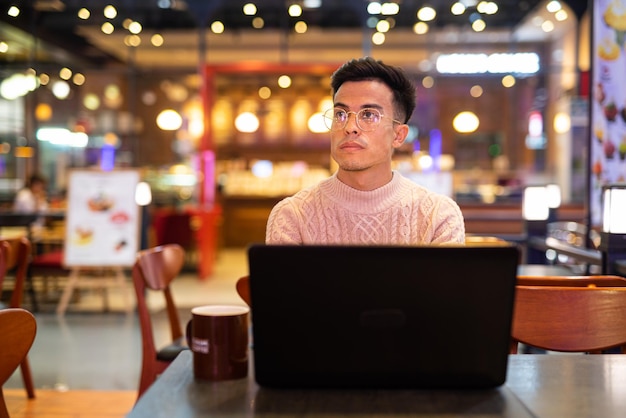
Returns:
<point x="98" y="278"/>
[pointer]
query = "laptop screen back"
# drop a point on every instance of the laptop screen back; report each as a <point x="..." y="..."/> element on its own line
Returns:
<point x="381" y="317"/>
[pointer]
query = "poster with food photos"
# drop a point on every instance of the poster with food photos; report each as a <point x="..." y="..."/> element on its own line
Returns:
<point x="102" y="221"/>
<point x="607" y="150"/>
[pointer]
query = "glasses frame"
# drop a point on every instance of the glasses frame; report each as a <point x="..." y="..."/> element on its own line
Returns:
<point x="333" y="125"/>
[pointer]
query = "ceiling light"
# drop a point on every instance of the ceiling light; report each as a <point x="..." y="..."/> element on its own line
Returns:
<point x="554" y="6"/>
<point x="78" y="79"/>
<point x="389" y="9"/>
<point x="135" y="28"/>
<point x="247" y="122"/>
<point x="169" y="120"/>
<point x="479" y="25"/>
<point x="249" y="9"/>
<point x="4" y="47"/>
<point x="265" y="92"/>
<point x="65" y="73"/>
<point x="420" y="28"/>
<point x="217" y="27"/>
<point x="428" y="82"/>
<point x="295" y="10"/>
<point x="284" y="81"/>
<point x="13" y="11"/>
<point x="60" y="89"/>
<point x="43" y="112"/>
<point x="107" y="28"/>
<point x="84" y="13"/>
<point x="508" y="81"/>
<point x="156" y="39"/>
<point x="426" y="14"/>
<point x="561" y="15"/>
<point x="374" y="8"/>
<point x="547" y="26"/>
<point x="300" y="27"/>
<point x="316" y="123"/>
<point x="258" y="23"/>
<point x="465" y="122"/>
<point x="91" y="101"/>
<point x="457" y="9"/>
<point x="378" y="38"/>
<point x="110" y="12"/>
<point x="476" y="91"/>
<point x="382" y="26"/>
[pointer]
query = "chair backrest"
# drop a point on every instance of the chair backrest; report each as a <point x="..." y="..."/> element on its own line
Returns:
<point x="17" y="328"/>
<point x="17" y="251"/>
<point x="486" y="240"/>
<point x="573" y="281"/>
<point x="154" y="269"/>
<point x="243" y="288"/>
<point x="4" y="250"/>
<point x="569" y="318"/>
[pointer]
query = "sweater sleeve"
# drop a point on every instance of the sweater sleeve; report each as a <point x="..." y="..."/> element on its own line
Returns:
<point x="283" y="224"/>
<point x="447" y="222"/>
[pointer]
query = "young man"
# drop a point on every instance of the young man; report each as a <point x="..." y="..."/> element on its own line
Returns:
<point x="365" y="201"/>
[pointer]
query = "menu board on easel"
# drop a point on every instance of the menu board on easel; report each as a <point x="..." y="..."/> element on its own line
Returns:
<point x="607" y="147"/>
<point x="103" y="220"/>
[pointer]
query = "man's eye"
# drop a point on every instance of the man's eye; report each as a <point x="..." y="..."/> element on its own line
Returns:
<point x="340" y="114"/>
<point x="368" y="114"/>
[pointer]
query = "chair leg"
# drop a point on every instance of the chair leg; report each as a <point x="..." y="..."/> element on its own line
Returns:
<point x="4" y="412"/>
<point x="31" y="291"/>
<point x="27" y="377"/>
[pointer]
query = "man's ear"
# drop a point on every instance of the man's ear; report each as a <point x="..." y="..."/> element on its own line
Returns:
<point x="402" y="131"/>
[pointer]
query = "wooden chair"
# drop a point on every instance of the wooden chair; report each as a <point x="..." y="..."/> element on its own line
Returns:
<point x="565" y="314"/>
<point x="154" y="270"/>
<point x="572" y="281"/>
<point x="243" y="288"/>
<point x="17" y="328"/>
<point x="16" y="253"/>
<point x="485" y="240"/>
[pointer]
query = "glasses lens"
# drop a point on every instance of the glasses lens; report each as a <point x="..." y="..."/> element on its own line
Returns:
<point x="368" y="118"/>
<point x="335" y="118"/>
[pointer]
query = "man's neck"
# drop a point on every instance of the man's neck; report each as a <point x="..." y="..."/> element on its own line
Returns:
<point x="364" y="180"/>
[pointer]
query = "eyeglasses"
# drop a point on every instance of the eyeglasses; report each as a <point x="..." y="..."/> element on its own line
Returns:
<point x="366" y="119"/>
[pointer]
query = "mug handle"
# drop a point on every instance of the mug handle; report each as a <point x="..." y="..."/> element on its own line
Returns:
<point x="188" y="332"/>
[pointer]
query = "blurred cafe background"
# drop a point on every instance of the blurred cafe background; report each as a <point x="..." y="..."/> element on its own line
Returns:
<point x="217" y="102"/>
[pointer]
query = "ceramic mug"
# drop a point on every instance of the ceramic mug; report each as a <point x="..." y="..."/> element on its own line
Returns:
<point x="218" y="337"/>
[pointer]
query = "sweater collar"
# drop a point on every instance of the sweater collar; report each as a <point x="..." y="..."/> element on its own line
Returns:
<point x="359" y="201"/>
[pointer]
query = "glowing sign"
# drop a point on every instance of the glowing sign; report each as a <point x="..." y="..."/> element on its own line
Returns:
<point x="518" y="63"/>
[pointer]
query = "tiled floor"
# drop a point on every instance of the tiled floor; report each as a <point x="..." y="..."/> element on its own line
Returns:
<point x="91" y="349"/>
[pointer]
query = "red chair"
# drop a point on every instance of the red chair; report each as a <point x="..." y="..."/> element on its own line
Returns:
<point x="18" y="329"/>
<point x="15" y="253"/>
<point x="154" y="270"/>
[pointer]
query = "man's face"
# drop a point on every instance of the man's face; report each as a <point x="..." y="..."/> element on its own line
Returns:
<point x="351" y="147"/>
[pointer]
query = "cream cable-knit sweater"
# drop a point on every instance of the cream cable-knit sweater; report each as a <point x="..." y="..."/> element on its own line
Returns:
<point x="398" y="213"/>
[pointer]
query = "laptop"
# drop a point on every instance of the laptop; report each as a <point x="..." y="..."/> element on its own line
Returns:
<point x="381" y="316"/>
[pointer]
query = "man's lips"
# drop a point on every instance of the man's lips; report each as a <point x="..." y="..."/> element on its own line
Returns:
<point x="351" y="145"/>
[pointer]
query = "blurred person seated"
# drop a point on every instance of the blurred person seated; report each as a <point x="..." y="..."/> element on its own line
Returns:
<point x="32" y="198"/>
<point x="365" y="201"/>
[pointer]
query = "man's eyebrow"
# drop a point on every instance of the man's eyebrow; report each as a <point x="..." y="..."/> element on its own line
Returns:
<point x="364" y="106"/>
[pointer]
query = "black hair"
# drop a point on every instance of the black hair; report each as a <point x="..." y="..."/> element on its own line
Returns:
<point x="36" y="178"/>
<point x="367" y="68"/>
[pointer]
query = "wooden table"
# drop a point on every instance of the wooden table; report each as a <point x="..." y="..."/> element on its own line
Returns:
<point x="538" y="385"/>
